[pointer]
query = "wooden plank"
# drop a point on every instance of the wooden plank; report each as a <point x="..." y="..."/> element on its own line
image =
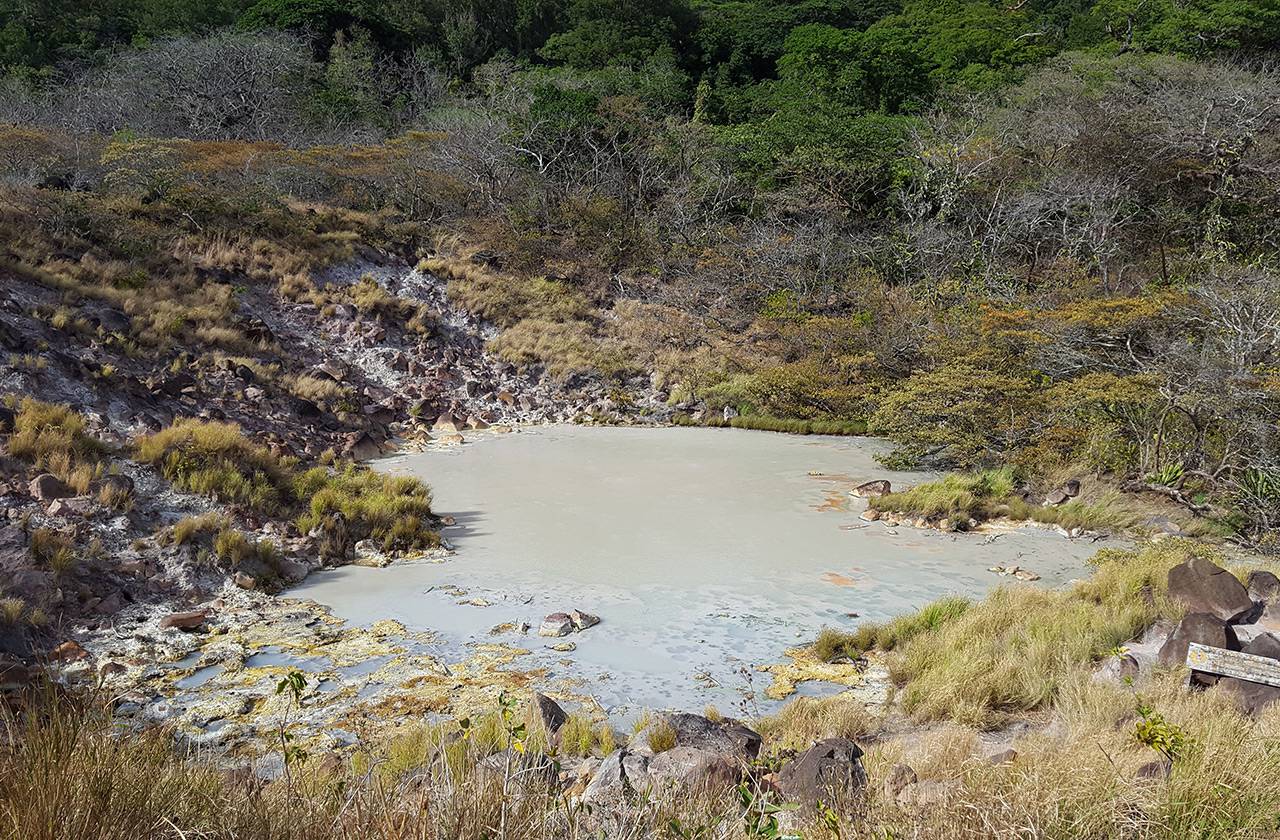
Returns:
<point x="1233" y="663"/>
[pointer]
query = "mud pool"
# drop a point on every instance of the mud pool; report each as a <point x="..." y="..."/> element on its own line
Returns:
<point x="706" y="552"/>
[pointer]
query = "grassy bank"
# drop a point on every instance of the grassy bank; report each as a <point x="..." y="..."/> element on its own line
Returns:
<point x="774" y="424"/>
<point x="956" y="500"/>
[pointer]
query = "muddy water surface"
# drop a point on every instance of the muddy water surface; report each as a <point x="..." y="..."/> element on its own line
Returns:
<point x="705" y="552"/>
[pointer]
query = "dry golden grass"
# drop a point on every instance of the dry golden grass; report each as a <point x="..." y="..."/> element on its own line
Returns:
<point x="806" y="720"/>
<point x="53" y="438"/>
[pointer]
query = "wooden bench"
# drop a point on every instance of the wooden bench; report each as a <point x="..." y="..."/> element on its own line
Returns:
<point x="1233" y="663"/>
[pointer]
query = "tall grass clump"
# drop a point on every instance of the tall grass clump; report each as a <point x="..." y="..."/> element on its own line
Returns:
<point x="215" y="460"/>
<point x="765" y="423"/>
<point x="833" y="644"/>
<point x="395" y="511"/>
<point x="53" y="438"/>
<point x="807" y="720"/>
<point x="959" y="497"/>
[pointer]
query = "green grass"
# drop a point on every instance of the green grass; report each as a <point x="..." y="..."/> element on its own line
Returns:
<point x="775" y="424"/>
<point x="957" y="497"/>
<point x="215" y="460"/>
<point x="395" y="511"/>
<point x="834" y="644"/>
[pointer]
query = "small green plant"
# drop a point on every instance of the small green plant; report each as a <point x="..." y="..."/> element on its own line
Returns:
<point x="661" y="736"/>
<point x="759" y="815"/>
<point x="1167" y="739"/>
<point x="1167" y="476"/>
<point x="292" y="685"/>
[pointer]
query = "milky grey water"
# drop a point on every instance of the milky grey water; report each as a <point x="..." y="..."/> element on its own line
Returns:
<point x="703" y="550"/>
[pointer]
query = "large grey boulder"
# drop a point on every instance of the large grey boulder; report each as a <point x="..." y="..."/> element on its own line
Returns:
<point x="829" y="770"/>
<point x="622" y="775"/>
<point x="1252" y="697"/>
<point x="1204" y="587"/>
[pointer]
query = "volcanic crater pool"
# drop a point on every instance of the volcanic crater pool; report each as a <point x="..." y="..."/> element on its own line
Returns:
<point x="704" y="551"/>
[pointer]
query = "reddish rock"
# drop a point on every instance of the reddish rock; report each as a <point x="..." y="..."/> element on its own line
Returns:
<point x="69" y="652"/>
<point x="185" y="620"/>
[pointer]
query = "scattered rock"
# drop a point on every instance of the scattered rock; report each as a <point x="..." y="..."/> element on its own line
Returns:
<point x="1205" y="587"/>
<point x="556" y="624"/>
<point x="564" y="647"/>
<point x="7" y="419"/>
<point x="69" y="652"/>
<point x="869" y="515"/>
<point x="244" y="581"/>
<point x="448" y="423"/>
<point x="827" y="770"/>
<point x="1071" y="488"/>
<point x="192" y="620"/>
<point x="47" y="487"/>
<point x="360" y="446"/>
<point x="451" y="439"/>
<point x="1055" y="498"/>
<point x="878" y="487"/>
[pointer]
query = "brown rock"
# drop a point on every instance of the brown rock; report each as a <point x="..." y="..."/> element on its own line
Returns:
<point x="192" y="620"/>
<point x="878" y="487"/>
<point x="47" y="487"/>
<point x="1205" y="587"/>
<point x="1003" y="757"/>
<point x="1263" y="586"/>
<point x="553" y="717"/>
<point x="827" y="770"/>
<point x="1201" y="628"/>
<point x="899" y="777"/>
<point x="69" y="652"/>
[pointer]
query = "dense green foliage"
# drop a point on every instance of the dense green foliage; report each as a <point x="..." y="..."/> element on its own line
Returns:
<point x="1039" y="235"/>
